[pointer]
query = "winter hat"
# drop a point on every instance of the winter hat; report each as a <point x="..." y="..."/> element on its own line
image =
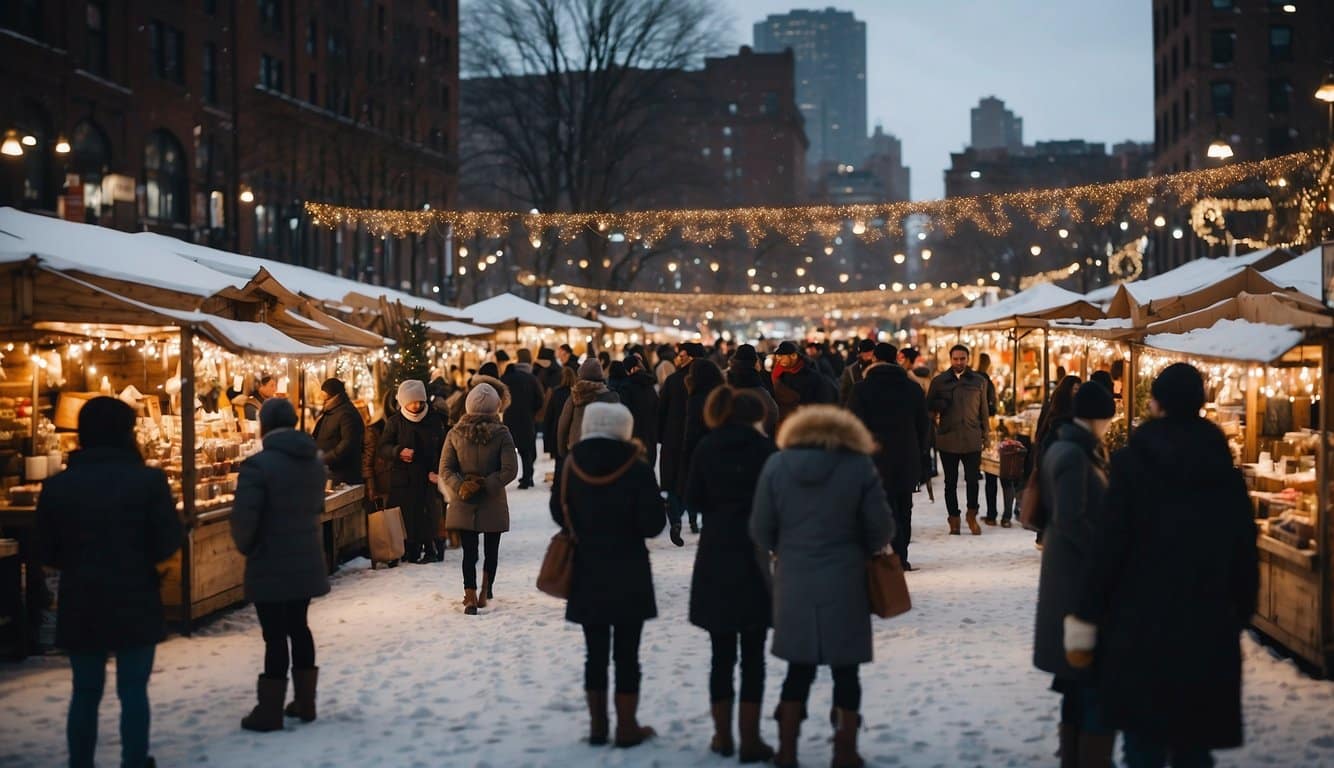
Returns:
<point x="1104" y="378"/>
<point x="276" y="413"/>
<point x="1094" y="402"/>
<point x="866" y="345"/>
<point x="886" y="353"/>
<point x="502" y="356"/>
<point x="411" y="391"/>
<point x="590" y="370"/>
<point x="489" y="369"/>
<point x="482" y="401"/>
<point x="786" y="348"/>
<point x="108" y="421"/>
<point x="694" y="349"/>
<point x="546" y="354"/>
<point x="526" y="355"/>
<point x="333" y="387"/>
<point x="1179" y="389"/>
<point x="617" y="370"/>
<point x="746" y="353"/>
<point x="609" y="420"/>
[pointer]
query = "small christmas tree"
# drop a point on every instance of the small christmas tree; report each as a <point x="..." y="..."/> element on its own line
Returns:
<point x="410" y="359"/>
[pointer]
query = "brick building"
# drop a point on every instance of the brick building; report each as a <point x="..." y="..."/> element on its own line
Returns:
<point x="1044" y="165"/>
<point x="214" y="121"/>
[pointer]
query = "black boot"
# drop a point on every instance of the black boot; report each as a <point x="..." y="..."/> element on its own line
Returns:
<point x="675" y="535"/>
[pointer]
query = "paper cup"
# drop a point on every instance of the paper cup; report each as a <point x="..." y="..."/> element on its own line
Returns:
<point x="34" y="467"/>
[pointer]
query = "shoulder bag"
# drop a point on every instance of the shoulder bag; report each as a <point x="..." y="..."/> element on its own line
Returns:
<point x="886" y="586"/>
<point x="557" y="571"/>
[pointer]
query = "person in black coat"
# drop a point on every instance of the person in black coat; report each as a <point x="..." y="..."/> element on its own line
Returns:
<point x="556" y="404"/>
<point x="266" y="387"/>
<point x="276" y="525"/>
<point x="703" y="377"/>
<point x="526" y="397"/>
<point x="672" y="432"/>
<point x="797" y="382"/>
<point x="105" y="523"/>
<point x="607" y="497"/>
<point x="743" y="373"/>
<point x="729" y="590"/>
<point x="338" y="434"/>
<point x="638" y="391"/>
<point x="412" y="439"/>
<point x="893" y="408"/>
<point x="1178" y="570"/>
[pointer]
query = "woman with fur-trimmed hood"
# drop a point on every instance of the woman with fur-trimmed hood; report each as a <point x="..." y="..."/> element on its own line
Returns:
<point x="590" y="388"/>
<point x="820" y="508"/>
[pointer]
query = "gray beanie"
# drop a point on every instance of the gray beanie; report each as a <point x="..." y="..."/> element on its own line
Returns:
<point x="482" y="401"/>
<point x="590" y="370"/>
<point x="411" y="391"/>
<point x="276" y="413"/>
<point x="607" y="420"/>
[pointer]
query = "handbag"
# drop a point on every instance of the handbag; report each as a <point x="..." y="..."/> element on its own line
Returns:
<point x="556" y="575"/>
<point x="886" y="587"/>
<point x="1032" y="515"/>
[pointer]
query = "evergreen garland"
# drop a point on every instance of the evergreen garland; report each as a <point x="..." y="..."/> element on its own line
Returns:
<point x="410" y="360"/>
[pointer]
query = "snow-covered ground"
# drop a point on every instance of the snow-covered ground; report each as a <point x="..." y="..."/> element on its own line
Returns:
<point x="408" y="680"/>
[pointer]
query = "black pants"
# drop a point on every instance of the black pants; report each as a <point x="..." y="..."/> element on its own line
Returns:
<point x="972" y="468"/>
<point x="847" y="686"/>
<point x="1009" y="489"/>
<point x="527" y="455"/>
<point x="724" y="661"/>
<point x="284" y="623"/>
<point x="598" y="642"/>
<point x="901" y="505"/>
<point x="492" y="545"/>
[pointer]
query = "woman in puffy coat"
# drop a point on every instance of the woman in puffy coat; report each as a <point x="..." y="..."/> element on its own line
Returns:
<point x="610" y="498"/>
<point x="411" y="440"/>
<point x="590" y="388"/>
<point x="478" y="461"/>
<point x="729" y="591"/>
<point x="820" y="508"/>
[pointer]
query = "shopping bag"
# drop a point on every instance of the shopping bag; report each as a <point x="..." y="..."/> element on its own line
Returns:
<point x="385" y="531"/>
<point x="557" y="571"/>
<point x="886" y="586"/>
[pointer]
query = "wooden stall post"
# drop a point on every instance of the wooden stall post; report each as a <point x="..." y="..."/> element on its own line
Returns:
<point x="1324" y="529"/>
<point x="1046" y="362"/>
<point x="188" y="471"/>
<point x="1130" y="386"/>
<point x="1251" y="450"/>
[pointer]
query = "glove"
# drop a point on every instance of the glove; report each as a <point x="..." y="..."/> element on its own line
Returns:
<point x="1081" y="638"/>
<point x="472" y="489"/>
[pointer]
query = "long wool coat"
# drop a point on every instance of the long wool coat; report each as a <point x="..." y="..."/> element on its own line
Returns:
<point x="893" y="409"/>
<point x="820" y="507"/>
<point x="410" y="486"/>
<point x="639" y="393"/>
<point x="478" y="445"/>
<point x="526" y="399"/>
<point x="672" y="429"/>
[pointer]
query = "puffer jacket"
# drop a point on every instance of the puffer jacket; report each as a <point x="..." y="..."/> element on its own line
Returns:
<point x="482" y="446"/>
<point x="571" y="424"/>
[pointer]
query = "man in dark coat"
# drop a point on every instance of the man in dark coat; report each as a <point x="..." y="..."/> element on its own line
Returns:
<point x="853" y="373"/>
<point x="672" y="401"/>
<point x="958" y="397"/>
<point x="818" y="358"/>
<point x="526" y="398"/>
<point x="338" y="433"/>
<point x="547" y="370"/>
<point x="743" y="373"/>
<point x="638" y="391"/>
<point x="893" y="409"/>
<point x="797" y="382"/>
<point x="1178" y="570"/>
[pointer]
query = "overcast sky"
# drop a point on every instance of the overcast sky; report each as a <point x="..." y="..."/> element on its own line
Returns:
<point x="1072" y="69"/>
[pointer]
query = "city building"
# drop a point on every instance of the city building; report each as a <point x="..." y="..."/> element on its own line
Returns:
<point x="1241" y="71"/>
<point x="215" y="121"/>
<point x="1044" y="165"/>
<point x="995" y="127"/>
<point x="830" y="49"/>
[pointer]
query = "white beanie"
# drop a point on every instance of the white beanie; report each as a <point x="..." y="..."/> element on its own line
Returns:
<point x="411" y="391"/>
<point x="482" y="401"/>
<point x="607" y="420"/>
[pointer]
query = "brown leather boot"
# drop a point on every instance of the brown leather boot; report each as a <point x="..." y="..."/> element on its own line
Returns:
<point x="973" y="527"/>
<point x="789" y="716"/>
<point x="846" y="724"/>
<point x="954" y="525"/>
<point x="303" y="694"/>
<point x="470" y="602"/>
<point x="1095" y="750"/>
<point x="1069" y="752"/>
<point x="597" y="718"/>
<point x="752" y="748"/>
<point x="629" y="733"/>
<point x="484" y="591"/>
<point x="268" y="713"/>
<point x="722" y="743"/>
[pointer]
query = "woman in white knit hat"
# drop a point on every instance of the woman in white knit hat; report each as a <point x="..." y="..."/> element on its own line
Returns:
<point x="411" y="440"/>
<point x="477" y="462"/>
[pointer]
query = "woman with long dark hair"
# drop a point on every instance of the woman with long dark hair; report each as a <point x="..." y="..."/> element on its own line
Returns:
<point x="703" y="377"/>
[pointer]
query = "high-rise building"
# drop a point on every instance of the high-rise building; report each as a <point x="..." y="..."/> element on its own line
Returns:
<point x="995" y="127"/>
<point x="830" y="48"/>
<point x="1244" y="71"/>
<point x="884" y="158"/>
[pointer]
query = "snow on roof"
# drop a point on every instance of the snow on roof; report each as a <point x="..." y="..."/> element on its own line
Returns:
<point x="1190" y="276"/>
<point x="1301" y="274"/>
<point x="507" y="309"/>
<point x="1043" y="297"/>
<point x="620" y="323"/>
<point x="1231" y="340"/>
<point x="458" y="328"/>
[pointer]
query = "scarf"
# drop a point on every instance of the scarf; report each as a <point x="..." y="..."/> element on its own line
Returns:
<point x="780" y="370"/>
<point x="414" y="417"/>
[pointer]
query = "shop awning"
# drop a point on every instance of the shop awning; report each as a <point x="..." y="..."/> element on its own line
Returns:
<point x="624" y="324"/>
<point x="1226" y="339"/>
<point x="1028" y="308"/>
<point x="453" y="329"/>
<point x="508" y="309"/>
<point x="1187" y="278"/>
<point x="1301" y="274"/>
<point x="1230" y="284"/>
<point x="1287" y="308"/>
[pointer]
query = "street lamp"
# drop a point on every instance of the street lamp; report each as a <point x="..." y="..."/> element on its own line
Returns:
<point x="12" y="147"/>
<point x="1219" y="149"/>
<point x="62" y="145"/>
<point x="1325" y="93"/>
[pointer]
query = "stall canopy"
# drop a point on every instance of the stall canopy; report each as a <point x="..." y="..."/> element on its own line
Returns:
<point x="623" y="324"/>
<point x="453" y="329"/>
<point x="1187" y="278"/>
<point x="1231" y="283"/>
<point x="1291" y="309"/>
<point x="1230" y="339"/>
<point x="1028" y="308"/>
<point x="508" y="309"/>
<point x="1301" y="274"/>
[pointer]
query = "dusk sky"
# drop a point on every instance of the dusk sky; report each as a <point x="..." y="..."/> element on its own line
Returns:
<point x="1072" y="69"/>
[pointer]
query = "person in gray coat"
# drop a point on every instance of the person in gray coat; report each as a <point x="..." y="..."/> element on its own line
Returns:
<point x="590" y="388"/>
<point x="276" y="524"/>
<point x="958" y="397"/>
<point x="1073" y="483"/>
<point x="478" y="461"/>
<point x="820" y="508"/>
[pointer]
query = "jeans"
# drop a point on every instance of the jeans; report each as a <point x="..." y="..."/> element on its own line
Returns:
<point x="1143" y="753"/>
<point x="972" y="467"/>
<point x="492" y="545"/>
<point x="724" y="660"/>
<point x="133" y="665"/>
<point x="847" y="686"/>
<point x="284" y="623"/>
<point x="1009" y="490"/>
<point x="598" y="643"/>
<point x="900" y="504"/>
<point x="1081" y="707"/>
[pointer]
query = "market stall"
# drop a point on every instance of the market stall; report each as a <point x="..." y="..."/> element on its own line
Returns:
<point x="526" y="324"/>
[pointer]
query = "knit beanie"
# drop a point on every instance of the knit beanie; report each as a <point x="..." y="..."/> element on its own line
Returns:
<point x="1094" y="402"/>
<point x="886" y="353"/>
<point x="746" y="353"/>
<point x="1179" y="389"/>
<point x="411" y="391"/>
<point x="866" y="345"/>
<point x="609" y="420"/>
<point x="482" y="401"/>
<point x="333" y="387"/>
<point x="1104" y="378"/>
<point x="590" y="370"/>
<point x="276" y="413"/>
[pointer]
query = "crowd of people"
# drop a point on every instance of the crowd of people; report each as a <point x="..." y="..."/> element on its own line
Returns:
<point x="793" y="465"/>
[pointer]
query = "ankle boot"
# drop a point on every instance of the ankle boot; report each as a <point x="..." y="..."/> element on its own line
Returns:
<point x="268" y="713"/>
<point x="752" y="748"/>
<point x="973" y="527"/>
<point x="1095" y="750"/>
<point x="789" y="716"/>
<point x="629" y="733"/>
<point x="484" y="592"/>
<point x="954" y="525"/>
<point x="303" y="694"/>
<point x="470" y="602"/>
<point x="490" y="586"/>
<point x="1069" y="751"/>
<point x="597" y="718"/>
<point x="722" y="743"/>
<point x="846" y="724"/>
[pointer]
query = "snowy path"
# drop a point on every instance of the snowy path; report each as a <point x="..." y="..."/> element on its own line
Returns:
<point x="408" y="680"/>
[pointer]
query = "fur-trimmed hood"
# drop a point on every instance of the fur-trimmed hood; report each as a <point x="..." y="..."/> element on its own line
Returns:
<point x="479" y="429"/>
<point x="826" y="428"/>
<point x="585" y="392"/>
<point x="458" y="406"/>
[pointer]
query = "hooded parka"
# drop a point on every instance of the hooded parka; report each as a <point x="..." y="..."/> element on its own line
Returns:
<point x="478" y="445"/>
<point x="338" y="435"/>
<point x="572" y="414"/>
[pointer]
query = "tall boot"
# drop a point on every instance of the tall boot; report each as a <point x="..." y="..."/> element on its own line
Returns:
<point x="846" y="723"/>
<point x="597" y="718"/>
<point x="629" y="733"/>
<point x="485" y="591"/>
<point x="268" y="713"/>
<point x="1095" y="750"/>
<point x="490" y="586"/>
<point x="752" y="748"/>
<point x="1069" y="752"/>
<point x="722" y="743"/>
<point x="954" y="525"/>
<point x="303" y="692"/>
<point x="973" y="527"/>
<point x="789" y="716"/>
<point x="470" y="602"/>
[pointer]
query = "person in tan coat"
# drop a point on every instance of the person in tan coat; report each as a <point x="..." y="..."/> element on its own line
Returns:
<point x="478" y="461"/>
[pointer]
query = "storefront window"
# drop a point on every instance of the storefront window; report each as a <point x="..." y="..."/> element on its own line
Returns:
<point x="165" y="180"/>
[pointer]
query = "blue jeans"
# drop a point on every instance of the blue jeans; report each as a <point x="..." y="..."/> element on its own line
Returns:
<point x="133" y="666"/>
<point x="1143" y="753"/>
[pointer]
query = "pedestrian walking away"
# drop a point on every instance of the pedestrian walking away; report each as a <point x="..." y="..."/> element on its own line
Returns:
<point x="411" y="441"/>
<point x="958" y="398"/>
<point x="526" y="399"/>
<point x="853" y="373"/>
<point x="590" y="388"/>
<point x="744" y="372"/>
<point x="703" y="377"/>
<point x="673" y="412"/>
<point x="637" y="391"/>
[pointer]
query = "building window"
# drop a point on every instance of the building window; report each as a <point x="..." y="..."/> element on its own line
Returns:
<point x="166" y="184"/>
<point x="1220" y="94"/>
<point x="166" y="46"/>
<point x="1222" y="5"/>
<point x="90" y="156"/>
<point x="95" y="38"/>
<point x="210" y="59"/>
<point x="1280" y="43"/>
<point x="1280" y="95"/>
<point x="770" y="105"/>
<point x="270" y="72"/>
<point x="1222" y="44"/>
<point x="311" y="37"/>
<point x="313" y="89"/>
<point x="271" y="15"/>
<point x="1185" y="53"/>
